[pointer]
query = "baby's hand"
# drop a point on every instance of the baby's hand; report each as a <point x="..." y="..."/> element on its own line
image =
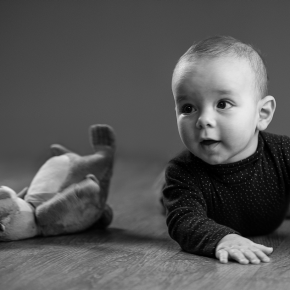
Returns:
<point x="242" y="250"/>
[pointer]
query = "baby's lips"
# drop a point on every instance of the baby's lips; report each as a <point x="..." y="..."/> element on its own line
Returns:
<point x="208" y="141"/>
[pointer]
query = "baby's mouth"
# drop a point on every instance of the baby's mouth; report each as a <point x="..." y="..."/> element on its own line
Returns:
<point x="209" y="142"/>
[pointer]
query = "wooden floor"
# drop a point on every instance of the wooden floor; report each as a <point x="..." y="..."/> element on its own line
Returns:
<point x="135" y="252"/>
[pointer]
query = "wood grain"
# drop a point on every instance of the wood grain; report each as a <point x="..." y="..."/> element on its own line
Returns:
<point x="135" y="252"/>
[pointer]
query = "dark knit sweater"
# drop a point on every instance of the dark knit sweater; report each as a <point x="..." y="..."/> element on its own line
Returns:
<point x="206" y="202"/>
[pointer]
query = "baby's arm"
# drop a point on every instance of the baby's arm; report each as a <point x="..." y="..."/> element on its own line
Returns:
<point x="190" y="226"/>
<point x="187" y="219"/>
<point x="242" y="250"/>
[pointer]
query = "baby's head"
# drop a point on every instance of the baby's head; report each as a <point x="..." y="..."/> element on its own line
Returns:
<point x="220" y="90"/>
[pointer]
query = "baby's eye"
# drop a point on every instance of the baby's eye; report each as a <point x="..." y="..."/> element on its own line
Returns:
<point x="187" y="109"/>
<point x="224" y="105"/>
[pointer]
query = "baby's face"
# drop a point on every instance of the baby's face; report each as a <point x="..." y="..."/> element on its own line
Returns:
<point x="217" y="108"/>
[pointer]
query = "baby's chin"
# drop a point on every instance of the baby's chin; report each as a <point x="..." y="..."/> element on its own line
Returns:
<point x="213" y="162"/>
<point x="216" y="160"/>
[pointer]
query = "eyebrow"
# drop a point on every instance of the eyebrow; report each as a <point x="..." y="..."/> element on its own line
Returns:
<point x="224" y="92"/>
<point x="181" y="98"/>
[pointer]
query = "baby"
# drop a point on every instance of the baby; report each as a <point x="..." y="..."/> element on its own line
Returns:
<point x="234" y="179"/>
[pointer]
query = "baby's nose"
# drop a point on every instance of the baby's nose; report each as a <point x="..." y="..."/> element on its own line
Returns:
<point x="205" y="120"/>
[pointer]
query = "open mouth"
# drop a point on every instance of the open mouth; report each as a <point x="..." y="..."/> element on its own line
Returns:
<point x="209" y="142"/>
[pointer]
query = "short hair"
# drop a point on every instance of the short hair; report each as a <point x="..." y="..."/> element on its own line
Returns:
<point x="219" y="46"/>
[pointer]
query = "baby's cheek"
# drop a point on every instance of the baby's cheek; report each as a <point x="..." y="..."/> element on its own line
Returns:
<point x="186" y="136"/>
<point x="236" y="139"/>
<point x="231" y="138"/>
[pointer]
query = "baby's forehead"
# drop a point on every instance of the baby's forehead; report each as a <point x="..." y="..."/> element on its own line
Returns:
<point x="190" y="64"/>
<point x="188" y="67"/>
<point x="217" y="75"/>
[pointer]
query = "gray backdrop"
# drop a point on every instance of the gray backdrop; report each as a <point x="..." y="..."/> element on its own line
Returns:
<point x="67" y="64"/>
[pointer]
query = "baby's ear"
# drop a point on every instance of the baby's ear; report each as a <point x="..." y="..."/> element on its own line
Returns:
<point x="267" y="107"/>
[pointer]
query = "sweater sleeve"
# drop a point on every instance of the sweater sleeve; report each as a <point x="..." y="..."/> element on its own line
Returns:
<point x="186" y="214"/>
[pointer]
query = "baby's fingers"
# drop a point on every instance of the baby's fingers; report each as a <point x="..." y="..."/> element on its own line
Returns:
<point x="262" y="256"/>
<point x="238" y="256"/>
<point x="252" y="256"/>
<point x="223" y="256"/>
<point x="266" y="250"/>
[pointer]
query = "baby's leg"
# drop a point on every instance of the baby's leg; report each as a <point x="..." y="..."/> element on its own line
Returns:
<point x="75" y="209"/>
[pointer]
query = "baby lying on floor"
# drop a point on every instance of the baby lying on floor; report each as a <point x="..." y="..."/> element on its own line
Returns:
<point x="233" y="179"/>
